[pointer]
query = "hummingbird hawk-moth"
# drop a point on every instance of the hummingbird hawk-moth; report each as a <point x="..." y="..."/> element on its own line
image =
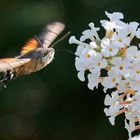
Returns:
<point x="35" y="54"/>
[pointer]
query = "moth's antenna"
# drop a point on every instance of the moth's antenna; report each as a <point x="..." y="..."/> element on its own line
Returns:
<point x="59" y="40"/>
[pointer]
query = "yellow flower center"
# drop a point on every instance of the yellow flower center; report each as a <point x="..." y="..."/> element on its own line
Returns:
<point x="113" y="80"/>
<point x="98" y="64"/>
<point x="138" y="71"/>
<point x="121" y="67"/>
<point x="120" y="40"/>
<point x="135" y="56"/>
<point x="88" y="55"/>
<point x="110" y="49"/>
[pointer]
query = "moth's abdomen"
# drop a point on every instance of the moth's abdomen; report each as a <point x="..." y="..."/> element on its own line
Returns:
<point x="30" y="67"/>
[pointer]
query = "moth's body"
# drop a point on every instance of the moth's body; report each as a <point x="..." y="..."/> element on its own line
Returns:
<point x="35" y="54"/>
<point x="38" y="60"/>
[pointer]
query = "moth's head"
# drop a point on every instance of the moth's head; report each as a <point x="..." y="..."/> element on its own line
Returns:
<point x="48" y="55"/>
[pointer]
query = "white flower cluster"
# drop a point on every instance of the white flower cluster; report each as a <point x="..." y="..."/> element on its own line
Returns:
<point x="113" y="62"/>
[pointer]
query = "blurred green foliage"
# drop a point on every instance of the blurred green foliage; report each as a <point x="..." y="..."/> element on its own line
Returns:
<point x="53" y="104"/>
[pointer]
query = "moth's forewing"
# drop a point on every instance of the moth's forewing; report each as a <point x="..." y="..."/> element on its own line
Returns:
<point x="46" y="37"/>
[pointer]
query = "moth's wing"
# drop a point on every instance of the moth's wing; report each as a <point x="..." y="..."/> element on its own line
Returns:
<point x="50" y="32"/>
<point x="11" y="63"/>
<point x="30" y="45"/>
<point x="45" y="38"/>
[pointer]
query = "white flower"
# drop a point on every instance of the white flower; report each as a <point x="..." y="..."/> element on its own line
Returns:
<point x="132" y="27"/>
<point x="90" y="33"/>
<point x="129" y="128"/>
<point x="110" y="113"/>
<point x="93" y="80"/>
<point x="84" y="61"/>
<point x="98" y="62"/>
<point x="134" y="30"/>
<point x="130" y="124"/>
<point x="135" y="73"/>
<point x="79" y="50"/>
<point x="108" y="49"/>
<point x="111" y="80"/>
<point x="134" y="84"/>
<point x="111" y="100"/>
<point x="114" y="106"/>
<point x="121" y="39"/>
<point x="114" y="21"/>
<point x="108" y="25"/>
<point x="120" y="66"/>
<point x="123" y="85"/>
<point x="114" y="16"/>
<point x="133" y="54"/>
<point x="136" y="102"/>
<point x="72" y="40"/>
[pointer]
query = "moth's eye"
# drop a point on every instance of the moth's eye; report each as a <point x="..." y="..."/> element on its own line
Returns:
<point x="45" y="53"/>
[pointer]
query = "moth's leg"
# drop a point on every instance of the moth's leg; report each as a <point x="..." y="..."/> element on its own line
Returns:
<point x="6" y="77"/>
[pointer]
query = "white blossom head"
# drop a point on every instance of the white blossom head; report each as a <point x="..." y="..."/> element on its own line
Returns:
<point x="112" y="61"/>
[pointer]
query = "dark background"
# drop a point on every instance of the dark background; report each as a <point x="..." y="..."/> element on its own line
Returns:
<point x="53" y="104"/>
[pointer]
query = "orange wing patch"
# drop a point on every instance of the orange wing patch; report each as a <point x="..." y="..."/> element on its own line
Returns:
<point x="30" y="45"/>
